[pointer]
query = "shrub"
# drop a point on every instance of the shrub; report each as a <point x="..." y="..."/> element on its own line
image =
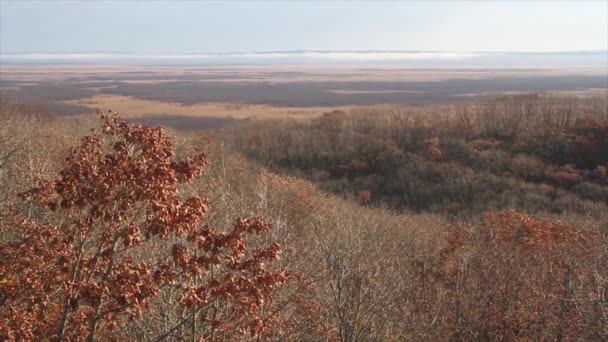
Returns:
<point x="527" y="167"/>
<point x="566" y="175"/>
<point x="516" y="277"/>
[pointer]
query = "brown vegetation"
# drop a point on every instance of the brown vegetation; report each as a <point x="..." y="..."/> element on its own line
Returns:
<point x="74" y="255"/>
<point x="419" y="242"/>
<point x="526" y="152"/>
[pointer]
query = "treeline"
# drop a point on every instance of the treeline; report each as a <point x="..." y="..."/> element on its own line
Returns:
<point x="184" y="269"/>
<point x="529" y="152"/>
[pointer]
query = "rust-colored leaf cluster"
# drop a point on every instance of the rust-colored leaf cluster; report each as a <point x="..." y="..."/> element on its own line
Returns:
<point x="90" y="250"/>
<point x="517" y="277"/>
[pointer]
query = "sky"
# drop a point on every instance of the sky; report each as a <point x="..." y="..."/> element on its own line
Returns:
<point x="219" y="27"/>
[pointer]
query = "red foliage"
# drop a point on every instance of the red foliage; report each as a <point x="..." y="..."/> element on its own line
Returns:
<point x="566" y="175"/>
<point x="516" y="277"/>
<point x="82" y="255"/>
<point x="355" y="168"/>
<point x="478" y="145"/>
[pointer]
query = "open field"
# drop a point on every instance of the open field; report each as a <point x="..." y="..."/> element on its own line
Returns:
<point x="198" y="97"/>
<point x="135" y="107"/>
<point x="272" y="73"/>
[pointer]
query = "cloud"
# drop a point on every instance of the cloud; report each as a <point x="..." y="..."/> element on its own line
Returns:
<point x="314" y="55"/>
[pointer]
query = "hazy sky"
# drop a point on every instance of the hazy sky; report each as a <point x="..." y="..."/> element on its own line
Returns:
<point x="192" y="26"/>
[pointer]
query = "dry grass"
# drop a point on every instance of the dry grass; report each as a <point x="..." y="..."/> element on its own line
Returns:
<point x="348" y="91"/>
<point x="579" y="93"/>
<point x="273" y="73"/>
<point x="134" y="107"/>
<point x="584" y="93"/>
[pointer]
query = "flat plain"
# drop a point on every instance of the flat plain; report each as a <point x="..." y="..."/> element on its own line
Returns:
<point x="198" y="97"/>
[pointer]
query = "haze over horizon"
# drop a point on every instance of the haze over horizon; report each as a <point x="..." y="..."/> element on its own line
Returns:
<point x="409" y="59"/>
<point x="187" y="27"/>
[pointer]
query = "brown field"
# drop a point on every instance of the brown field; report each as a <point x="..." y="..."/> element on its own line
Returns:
<point x="280" y="73"/>
<point x="135" y="108"/>
<point x="579" y="93"/>
<point x="190" y="96"/>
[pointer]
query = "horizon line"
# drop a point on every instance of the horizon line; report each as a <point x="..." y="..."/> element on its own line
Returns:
<point x="297" y="51"/>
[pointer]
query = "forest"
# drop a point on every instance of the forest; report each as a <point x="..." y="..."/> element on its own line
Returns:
<point x="477" y="220"/>
<point x="526" y="152"/>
